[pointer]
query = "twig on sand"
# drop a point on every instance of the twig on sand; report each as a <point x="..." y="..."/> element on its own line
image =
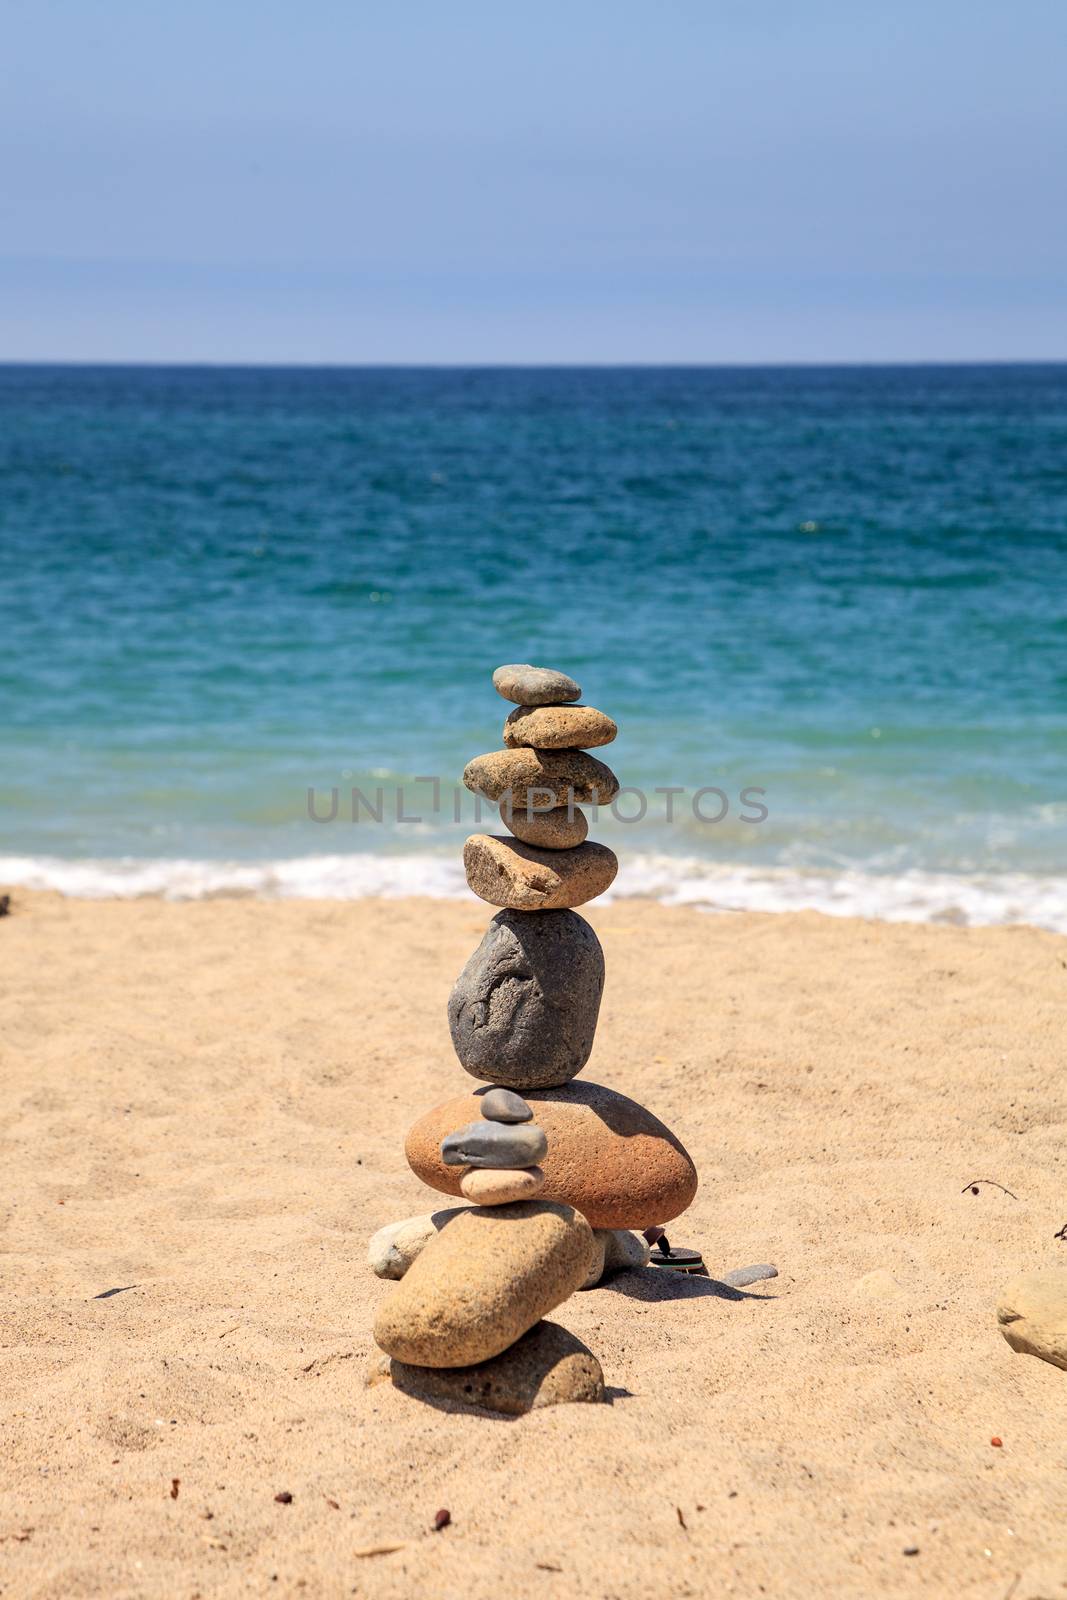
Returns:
<point x="973" y="1186"/>
<point x="377" y="1550"/>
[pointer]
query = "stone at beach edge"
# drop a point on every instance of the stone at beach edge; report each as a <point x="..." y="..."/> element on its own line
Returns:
<point x="483" y="1281"/>
<point x="524" y="1009"/>
<point x="1032" y="1314"/>
<point x="542" y="777"/>
<point x="558" y="829"/>
<point x="608" y="1157"/>
<point x="534" y="686"/>
<point x="393" y="1248"/>
<point x="504" y="1105"/>
<point x="489" y="1186"/>
<point x="506" y="872"/>
<point x="494" y="1144"/>
<point x="546" y="1367"/>
<point x="558" y="728"/>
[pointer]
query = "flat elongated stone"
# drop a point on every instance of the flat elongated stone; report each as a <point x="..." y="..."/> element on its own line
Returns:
<point x="504" y="1105"/>
<point x="523" y="1011"/>
<point x="494" y="1144"/>
<point x="508" y="873"/>
<point x="561" y="828"/>
<point x="492" y="1187"/>
<point x="558" y="728"/>
<point x="393" y="1248"/>
<point x="534" y="686"/>
<point x="546" y="1367"/>
<point x="483" y="1281"/>
<point x="607" y="1156"/>
<point x="543" y="778"/>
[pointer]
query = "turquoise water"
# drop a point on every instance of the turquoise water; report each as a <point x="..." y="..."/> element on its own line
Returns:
<point x="844" y="587"/>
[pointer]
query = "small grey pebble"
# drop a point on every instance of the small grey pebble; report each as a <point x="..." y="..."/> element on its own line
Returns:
<point x="504" y="1105"/>
<point x="495" y="1144"/>
<point x="740" y="1277"/>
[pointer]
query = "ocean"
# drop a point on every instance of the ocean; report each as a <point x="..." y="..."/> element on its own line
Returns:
<point x="838" y="592"/>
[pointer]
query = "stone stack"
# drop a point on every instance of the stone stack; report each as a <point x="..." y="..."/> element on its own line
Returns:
<point x="558" y="1171"/>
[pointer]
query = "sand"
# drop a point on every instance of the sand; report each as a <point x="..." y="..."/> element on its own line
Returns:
<point x="203" y="1107"/>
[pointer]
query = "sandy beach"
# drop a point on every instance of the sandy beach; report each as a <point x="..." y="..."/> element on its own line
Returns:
<point x="203" y="1115"/>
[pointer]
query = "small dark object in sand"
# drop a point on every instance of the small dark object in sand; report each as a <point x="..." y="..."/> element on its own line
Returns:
<point x="5" y="905"/>
<point x="284" y="1498"/>
<point x="973" y="1187"/>
<point x="681" y="1519"/>
<point x="174" y="1482"/>
<point x="441" y="1520"/>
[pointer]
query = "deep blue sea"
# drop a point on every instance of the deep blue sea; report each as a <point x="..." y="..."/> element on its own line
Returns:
<point x="844" y="587"/>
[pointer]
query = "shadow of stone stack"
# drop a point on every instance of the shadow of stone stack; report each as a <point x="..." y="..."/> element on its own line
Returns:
<point x="558" y="1171"/>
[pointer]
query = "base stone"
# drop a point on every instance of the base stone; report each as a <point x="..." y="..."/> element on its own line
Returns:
<point x="546" y="1367"/>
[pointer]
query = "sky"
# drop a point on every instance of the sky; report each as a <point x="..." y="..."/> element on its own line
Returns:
<point x="481" y="181"/>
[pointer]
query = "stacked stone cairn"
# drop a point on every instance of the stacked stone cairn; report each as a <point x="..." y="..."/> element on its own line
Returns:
<point x="557" y="1170"/>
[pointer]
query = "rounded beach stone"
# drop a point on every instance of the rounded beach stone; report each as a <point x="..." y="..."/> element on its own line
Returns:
<point x="558" y="728"/>
<point x="1032" y="1314"/>
<point x="523" y="1011"/>
<point x="534" y="686"/>
<point x="608" y="1157"/>
<point x="393" y="1248"/>
<point x="542" y="778"/>
<point x="546" y="1367"/>
<point x="487" y="1186"/>
<point x="506" y="872"/>
<point x="558" y="829"/>
<point x="624" y="1251"/>
<point x="504" y="1105"/>
<point x="483" y="1281"/>
<point x="494" y="1144"/>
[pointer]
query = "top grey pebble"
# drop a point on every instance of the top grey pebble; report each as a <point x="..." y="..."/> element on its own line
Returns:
<point x="504" y="1105"/>
<point x="535" y="686"/>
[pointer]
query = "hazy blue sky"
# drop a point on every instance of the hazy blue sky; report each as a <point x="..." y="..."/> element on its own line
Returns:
<point x="601" y="180"/>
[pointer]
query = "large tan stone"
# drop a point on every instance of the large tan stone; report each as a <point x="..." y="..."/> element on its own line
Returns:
<point x="486" y="1278"/>
<point x="608" y="1157"/>
<point x="542" y="777"/>
<point x="506" y="872"/>
<point x="546" y="1367"/>
<point x="1032" y="1314"/>
<point x="558" y="728"/>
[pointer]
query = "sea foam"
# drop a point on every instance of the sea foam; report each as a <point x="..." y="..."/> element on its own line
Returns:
<point x="986" y="899"/>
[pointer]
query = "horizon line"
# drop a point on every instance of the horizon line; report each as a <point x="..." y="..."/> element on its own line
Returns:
<point x="852" y="363"/>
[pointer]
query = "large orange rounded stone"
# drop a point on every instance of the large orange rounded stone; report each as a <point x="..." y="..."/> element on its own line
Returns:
<point x="607" y="1157"/>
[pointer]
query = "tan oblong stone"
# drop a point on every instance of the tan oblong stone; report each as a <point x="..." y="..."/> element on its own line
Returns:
<point x="545" y="777"/>
<point x="609" y="1157"/>
<point x="558" y="728"/>
<point x="558" y="829"/>
<point x="506" y="872"/>
<point x="486" y="1186"/>
<point x="483" y="1281"/>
